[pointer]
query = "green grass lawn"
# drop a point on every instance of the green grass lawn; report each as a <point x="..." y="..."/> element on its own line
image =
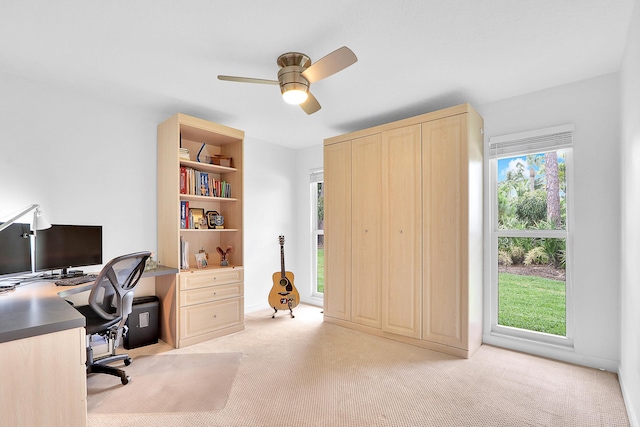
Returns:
<point x="525" y="302"/>
<point x="533" y="303"/>
<point x="321" y="270"/>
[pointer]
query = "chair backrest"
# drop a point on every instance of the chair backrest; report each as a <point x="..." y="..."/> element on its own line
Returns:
<point x="112" y="293"/>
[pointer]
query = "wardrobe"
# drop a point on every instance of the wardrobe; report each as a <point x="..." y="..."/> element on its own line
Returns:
<point x="403" y="230"/>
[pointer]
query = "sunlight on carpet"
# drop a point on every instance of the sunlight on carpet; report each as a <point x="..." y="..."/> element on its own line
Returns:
<point x="168" y="382"/>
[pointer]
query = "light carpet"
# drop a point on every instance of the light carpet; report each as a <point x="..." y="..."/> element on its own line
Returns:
<point x="166" y="383"/>
<point x="303" y="372"/>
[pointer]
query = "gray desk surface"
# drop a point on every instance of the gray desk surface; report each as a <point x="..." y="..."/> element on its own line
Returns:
<point x="38" y="308"/>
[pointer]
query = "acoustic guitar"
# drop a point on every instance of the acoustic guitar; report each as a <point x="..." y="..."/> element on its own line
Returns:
<point x="284" y="294"/>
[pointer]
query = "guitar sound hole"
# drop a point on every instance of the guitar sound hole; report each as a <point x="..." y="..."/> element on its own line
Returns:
<point x="284" y="282"/>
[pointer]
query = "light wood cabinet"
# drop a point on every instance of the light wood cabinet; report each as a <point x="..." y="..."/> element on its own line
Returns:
<point x="44" y="380"/>
<point x="203" y="303"/>
<point x="444" y="166"/>
<point x="402" y="231"/>
<point x="366" y="237"/>
<point x="416" y="186"/>
<point x="337" y="217"/>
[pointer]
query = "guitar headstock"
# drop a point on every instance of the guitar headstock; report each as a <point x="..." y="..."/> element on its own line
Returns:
<point x="281" y="240"/>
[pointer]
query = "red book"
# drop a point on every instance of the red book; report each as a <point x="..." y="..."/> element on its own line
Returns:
<point x="183" y="180"/>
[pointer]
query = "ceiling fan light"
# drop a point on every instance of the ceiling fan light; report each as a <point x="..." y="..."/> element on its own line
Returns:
<point x="295" y="96"/>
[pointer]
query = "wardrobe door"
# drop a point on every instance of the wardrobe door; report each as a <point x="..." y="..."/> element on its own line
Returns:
<point x="366" y="231"/>
<point x="402" y="232"/>
<point x="337" y="226"/>
<point x="445" y="245"/>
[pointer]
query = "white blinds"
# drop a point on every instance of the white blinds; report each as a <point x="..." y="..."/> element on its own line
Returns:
<point x="536" y="141"/>
<point x="317" y="175"/>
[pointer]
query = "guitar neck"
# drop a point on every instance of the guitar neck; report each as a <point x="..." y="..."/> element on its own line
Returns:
<point x="282" y="275"/>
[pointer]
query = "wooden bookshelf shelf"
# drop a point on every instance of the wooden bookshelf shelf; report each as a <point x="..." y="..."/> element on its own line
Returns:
<point x="207" y="167"/>
<point x="204" y="303"/>
<point x="195" y="198"/>
<point x="208" y="230"/>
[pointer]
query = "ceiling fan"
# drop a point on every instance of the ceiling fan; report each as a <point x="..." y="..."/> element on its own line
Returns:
<point x="296" y="75"/>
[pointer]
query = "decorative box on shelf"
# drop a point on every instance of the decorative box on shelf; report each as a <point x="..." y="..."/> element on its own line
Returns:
<point x="221" y="161"/>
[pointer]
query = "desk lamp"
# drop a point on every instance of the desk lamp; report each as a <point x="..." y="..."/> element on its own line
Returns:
<point x="39" y="221"/>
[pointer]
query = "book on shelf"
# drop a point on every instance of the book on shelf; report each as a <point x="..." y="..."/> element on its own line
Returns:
<point x="200" y="183"/>
<point x="204" y="183"/>
<point x="183" y="180"/>
<point x="184" y="214"/>
<point x="184" y="254"/>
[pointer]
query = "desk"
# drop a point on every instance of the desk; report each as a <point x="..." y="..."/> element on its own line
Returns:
<point x="42" y="355"/>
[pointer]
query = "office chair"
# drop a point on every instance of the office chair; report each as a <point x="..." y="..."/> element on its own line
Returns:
<point x="110" y="303"/>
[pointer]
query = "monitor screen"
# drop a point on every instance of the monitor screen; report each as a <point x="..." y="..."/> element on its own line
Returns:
<point x="15" y="250"/>
<point x="65" y="246"/>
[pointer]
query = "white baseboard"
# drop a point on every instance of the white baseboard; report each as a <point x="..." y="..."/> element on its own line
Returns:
<point x="631" y="409"/>
<point x="550" y="351"/>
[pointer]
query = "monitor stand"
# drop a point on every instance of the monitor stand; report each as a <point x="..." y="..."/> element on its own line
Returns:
<point x="66" y="273"/>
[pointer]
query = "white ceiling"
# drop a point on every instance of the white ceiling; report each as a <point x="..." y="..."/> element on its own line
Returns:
<point x="414" y="56"/>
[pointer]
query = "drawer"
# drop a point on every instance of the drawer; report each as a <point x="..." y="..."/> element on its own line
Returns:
<point x="201" y="279"/>
<point x="210" y="293"/>
<point x="202" y="318"/>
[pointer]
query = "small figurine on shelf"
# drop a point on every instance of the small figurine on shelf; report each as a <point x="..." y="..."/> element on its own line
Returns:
<point x="151" y="263"/>
<point x="223" y="254"/>
<point x="202" y="259"/>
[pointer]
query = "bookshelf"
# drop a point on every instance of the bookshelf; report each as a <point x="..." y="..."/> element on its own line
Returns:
<point x="208" y="302"/>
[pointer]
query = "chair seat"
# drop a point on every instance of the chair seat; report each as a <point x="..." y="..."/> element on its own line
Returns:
<point x="95" y="322"/>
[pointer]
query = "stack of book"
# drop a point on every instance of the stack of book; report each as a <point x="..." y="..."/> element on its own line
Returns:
<point x="184" y="154"/>
<point x="184" y="254"/>
<point x="202" y="184"/>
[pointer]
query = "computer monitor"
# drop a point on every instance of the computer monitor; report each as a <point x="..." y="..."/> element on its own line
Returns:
<point x="15" y="250"/>
<point x="66" y="246"/>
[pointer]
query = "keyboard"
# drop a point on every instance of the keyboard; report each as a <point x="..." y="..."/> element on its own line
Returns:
<point x="78" y="280"/>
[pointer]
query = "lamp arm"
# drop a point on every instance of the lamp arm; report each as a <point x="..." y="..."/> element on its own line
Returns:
<point x="15" y="218"/>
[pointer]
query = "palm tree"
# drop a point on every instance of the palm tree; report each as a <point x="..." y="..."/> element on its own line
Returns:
<point x="553" y="187"/>
<point x="533" y="160"/>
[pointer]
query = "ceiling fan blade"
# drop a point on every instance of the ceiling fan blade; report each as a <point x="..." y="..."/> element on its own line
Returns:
<point x="330" y="64"/>
<point x="248" y="80"/>
<point x="311" y="105"/>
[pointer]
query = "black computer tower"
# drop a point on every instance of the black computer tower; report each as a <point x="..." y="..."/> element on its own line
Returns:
<point x="142" y="322"/>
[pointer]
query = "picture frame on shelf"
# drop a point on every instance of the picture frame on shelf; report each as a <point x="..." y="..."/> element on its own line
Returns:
<point x="215" y="220"/>
<point x="201" y="260"/>
<point x="199" y="220"/>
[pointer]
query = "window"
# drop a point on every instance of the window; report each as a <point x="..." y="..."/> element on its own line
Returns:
<point x="317" y="231"/>
<point x="531" y="241"/>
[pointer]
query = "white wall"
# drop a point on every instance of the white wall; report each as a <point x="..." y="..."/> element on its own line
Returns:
<point x="93" y="161"/>
<point x="269" y="211"/>
<point x="307" y="159"/>
<point x="84" y="161"/>
<point x="593" y="107"/>
<point x="630" y="219"/>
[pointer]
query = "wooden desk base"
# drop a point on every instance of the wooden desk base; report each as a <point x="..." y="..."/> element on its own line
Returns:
<point x="44" y="380"/>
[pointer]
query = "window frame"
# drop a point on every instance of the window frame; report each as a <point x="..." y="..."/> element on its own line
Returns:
<point x="316" y="177"/>
<point x="520" y="144"/>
